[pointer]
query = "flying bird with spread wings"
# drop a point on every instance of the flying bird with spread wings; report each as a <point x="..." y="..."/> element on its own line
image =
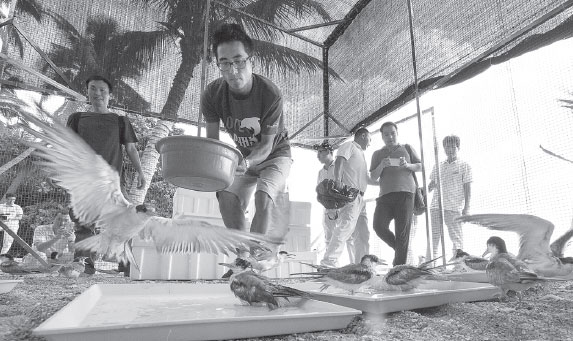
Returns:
<point x="534" y="237"/>
<point x="96" y="197"/>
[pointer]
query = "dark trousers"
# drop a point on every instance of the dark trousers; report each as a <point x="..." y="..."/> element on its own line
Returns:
<point x="397" y="206"/>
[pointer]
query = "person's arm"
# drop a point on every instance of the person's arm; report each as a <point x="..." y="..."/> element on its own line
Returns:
<point x="468" y="197"/>
<point x="432" y="183"/>
<point x="134" y="157"/>
<point x="415" y="164"/>
<point x="45" y="246"/>
<point x="212" y="129"/>
<point x="339" y="164"/>
<point x="259" y="153"/>
<point x="376" y="173"/>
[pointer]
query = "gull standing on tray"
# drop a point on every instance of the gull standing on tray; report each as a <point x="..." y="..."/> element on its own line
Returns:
<point x="96" y="197"/>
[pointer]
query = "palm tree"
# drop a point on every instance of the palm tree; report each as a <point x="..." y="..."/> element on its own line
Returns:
<point x="31" y="8"/>
<point x="99" y="50"/>
<point x="185" y="25"/>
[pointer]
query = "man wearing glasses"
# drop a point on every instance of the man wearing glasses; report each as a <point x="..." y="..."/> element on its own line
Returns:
<point x="251" y="109"/>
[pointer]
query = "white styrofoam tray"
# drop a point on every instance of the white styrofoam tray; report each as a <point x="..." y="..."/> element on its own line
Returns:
<point x="180" y="311"/>
<point x="8" y="285"/>
<point x="429" y="294"/>
<point x="474" y="276"/>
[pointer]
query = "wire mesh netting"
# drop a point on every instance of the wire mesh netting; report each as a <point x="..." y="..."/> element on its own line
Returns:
<point x="501" y="69"/>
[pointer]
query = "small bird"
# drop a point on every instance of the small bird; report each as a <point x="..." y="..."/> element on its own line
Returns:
<point x="268" y="260"/>
<point x="350" y="277"/>
<point x="263" y="261"/>
<point x="404" y="277"/>
<point x="10" y="266"/>
<point x="468" y="262"/>
<point x="96" y="197"/>
<point x="534" y="238"/>
<point x="507" y="272"/>
<point x="73" y="269"/>
<point x="253" y="288"/>
<point x="400" y="278"/>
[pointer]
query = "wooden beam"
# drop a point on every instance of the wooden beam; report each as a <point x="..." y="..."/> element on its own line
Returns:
<point x="24" y="244"/>
<point x="43" y="77"/>
<point x="41" y="53"/>
<point x="310" y="27"/>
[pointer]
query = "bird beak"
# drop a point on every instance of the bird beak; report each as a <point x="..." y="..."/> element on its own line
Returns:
<point x="485" y="253"/>
<point x="228" y="265"/>
<point x="382" y="262"/>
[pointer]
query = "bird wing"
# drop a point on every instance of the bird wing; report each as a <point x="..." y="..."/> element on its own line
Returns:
<point x="93" y="184"/>
<point x="403" y="274"/>
<point x="476" y="263"/>
<point x="500" y="271"/>
<point x="534" y="232"/>
<point x="352" y="274"/>
<point x="193" y="235"/>
<point x="251" y="288"/>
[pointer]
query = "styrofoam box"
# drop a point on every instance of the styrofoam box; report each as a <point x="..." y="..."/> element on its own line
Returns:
<point x="300" y="213"/>
<point x="156" y="266"/>
<point x="297" y="239"/>
<point x="193" y="203"/>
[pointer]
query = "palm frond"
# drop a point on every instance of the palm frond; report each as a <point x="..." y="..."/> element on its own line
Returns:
<point x="146" y="47"/>
<point x="17" y="41"/>
<point x="276" y="58"/>
<point x="286" y="12"/>
<point x="32" y="8"/>
<point x="70" y="32"/>
<point x="161" y="5"/>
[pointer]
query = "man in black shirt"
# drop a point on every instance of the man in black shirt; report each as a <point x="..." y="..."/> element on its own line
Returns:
<point x="105" y="132"/>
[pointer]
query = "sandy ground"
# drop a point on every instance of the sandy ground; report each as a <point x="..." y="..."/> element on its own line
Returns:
<point x="546" y="313"/>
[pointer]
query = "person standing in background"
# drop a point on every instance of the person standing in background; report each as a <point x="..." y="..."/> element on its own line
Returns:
<point x="455" y="180"/>
<point x="106" y="132"/>
<point x="350" y="169"/>
<point x="10" y="214"/>
<point x="394" y="165"/>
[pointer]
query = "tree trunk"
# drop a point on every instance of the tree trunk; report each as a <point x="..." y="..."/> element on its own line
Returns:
<point x="170" y="109"/>
<point x="149" y="160"/>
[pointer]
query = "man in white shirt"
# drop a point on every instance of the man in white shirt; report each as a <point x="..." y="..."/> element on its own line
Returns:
<point x="10" y="214"/>
<point x="324" y="153"/>
<point x="350" y="169"/>
<point x="455" y="180"/>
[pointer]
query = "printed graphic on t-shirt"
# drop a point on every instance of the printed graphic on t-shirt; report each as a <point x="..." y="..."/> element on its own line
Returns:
<point x="246" y="135"/>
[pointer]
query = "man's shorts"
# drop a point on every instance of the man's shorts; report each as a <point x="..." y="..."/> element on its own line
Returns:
<point x="269" y="176"/>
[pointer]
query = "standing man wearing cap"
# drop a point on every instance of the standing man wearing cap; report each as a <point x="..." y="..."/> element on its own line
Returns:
<point x="250" y="107"/>
<point x="324" y="153"/>
<point x="350" y="169"/>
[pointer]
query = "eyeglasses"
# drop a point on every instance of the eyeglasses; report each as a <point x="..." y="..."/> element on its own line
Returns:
<point x="238" y="64"/>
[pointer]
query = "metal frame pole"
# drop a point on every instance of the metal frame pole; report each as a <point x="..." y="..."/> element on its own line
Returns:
<point x="325" y="88"/>
<point x="419" y="114"/>
<point x="204" y="69"/>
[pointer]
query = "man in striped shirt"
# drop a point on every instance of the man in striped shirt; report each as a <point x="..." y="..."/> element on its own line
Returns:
<point x="10" y="214"/>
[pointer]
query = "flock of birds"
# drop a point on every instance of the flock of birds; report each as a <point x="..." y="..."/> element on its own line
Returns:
<point x="96" y="198"/>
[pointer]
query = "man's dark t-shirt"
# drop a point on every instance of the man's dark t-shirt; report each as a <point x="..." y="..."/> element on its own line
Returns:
<point x="248" y="117"/>
<point x="105" y="133"/>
